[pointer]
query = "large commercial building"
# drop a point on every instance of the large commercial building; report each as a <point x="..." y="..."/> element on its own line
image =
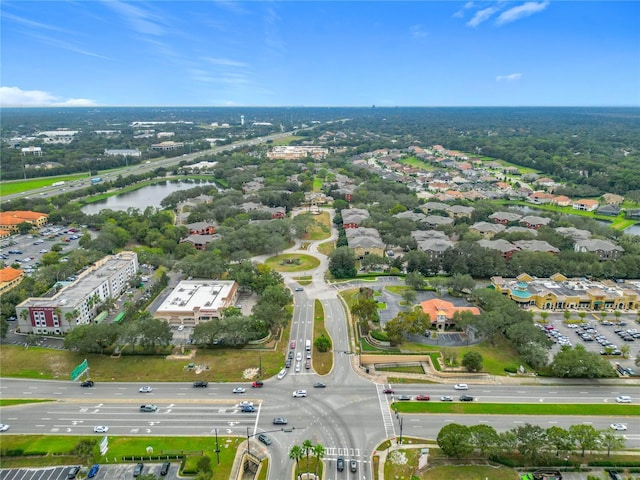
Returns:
<point x="10" y="220"/>
<point x="78" y="302"/>
<point x="561" y="293"/>
<point x="9" y="278"/>
<point x="195" y="301"/>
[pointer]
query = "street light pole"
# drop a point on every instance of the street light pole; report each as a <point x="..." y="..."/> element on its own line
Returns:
<point x="248" y="447"/>
<point x="217" y="447"/>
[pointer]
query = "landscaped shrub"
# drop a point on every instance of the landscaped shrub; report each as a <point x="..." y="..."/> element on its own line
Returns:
<point x="511" y="370"/>
<point x="380" y="336"/>
<point x="613" y="463"/>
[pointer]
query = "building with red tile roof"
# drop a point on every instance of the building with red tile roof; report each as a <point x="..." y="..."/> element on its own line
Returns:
<point x="441" y="312"/>
<point x="9" y="278"/>
<point x="11" y="219"/>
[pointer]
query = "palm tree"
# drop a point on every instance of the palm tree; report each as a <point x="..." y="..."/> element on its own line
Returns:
<point x="296" y="454"/>
<point x="23" y="314"/>
<point x="318" y="451"/>
<point x="307" y="448"/>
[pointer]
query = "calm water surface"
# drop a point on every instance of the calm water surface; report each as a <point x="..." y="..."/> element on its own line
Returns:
<point x="149" y="196"/>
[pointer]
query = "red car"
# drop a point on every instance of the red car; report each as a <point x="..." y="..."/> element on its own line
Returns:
<point x="388" y="391"/>
<point x="424" y="398"/>
<point x="293" y="345"/>
<point x="257" y="384"/>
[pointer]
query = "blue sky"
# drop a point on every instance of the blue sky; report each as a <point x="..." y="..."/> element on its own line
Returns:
<point x="320" y="53"/>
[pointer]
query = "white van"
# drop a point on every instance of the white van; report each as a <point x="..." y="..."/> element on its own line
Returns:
<point x="307" y="345"/>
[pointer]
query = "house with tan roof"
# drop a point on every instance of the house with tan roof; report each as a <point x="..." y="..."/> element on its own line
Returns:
<point x="561" y="201"/>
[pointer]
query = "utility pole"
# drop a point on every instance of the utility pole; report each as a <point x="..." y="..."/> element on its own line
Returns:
<point x="217" y="447"/>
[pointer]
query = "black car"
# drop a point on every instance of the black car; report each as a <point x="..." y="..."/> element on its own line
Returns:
<point x="340" y="464"/>
<point x="137" y="471"/>
<point x="614" y="475"/>
<point x="71" y="474"/>
<point x="319" y="385"/>
<point x="200" y="384"/>
<point x="165" y="468"/>
<point x="466" y="398"/>
<point x="87" y="383"/>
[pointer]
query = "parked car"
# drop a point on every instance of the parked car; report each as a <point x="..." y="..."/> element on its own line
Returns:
<point x="353" y="466"/>
<point x="165" y="468"/>
<point x="200" y="384"/>
<point x="264" y="439"/>
<point x="614" y="475"/>
<point x="93" y="471"/>
<point x="340" y="464"/>
<point x="137" y="471"/>
<point x="71" y="474"/>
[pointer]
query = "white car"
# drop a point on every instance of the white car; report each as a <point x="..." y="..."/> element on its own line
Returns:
<point x="146" y="389"/>
<point x="619" y="426"/>
<point x="461" y="386"/>
<point x="282" y="374"/>
<point x="300" y="393"/>
<point x="180" y="328"/>
<point x="623" y="399"/>
<point x="246" y="404"/>
<point x="239" y="390"/>
<point x="4" y="427"/>
<point x="101" y="429"/>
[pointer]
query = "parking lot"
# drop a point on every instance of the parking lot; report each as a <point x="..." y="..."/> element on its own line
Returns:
<point x="106" y="472"/>
<point x="597" y="335"/>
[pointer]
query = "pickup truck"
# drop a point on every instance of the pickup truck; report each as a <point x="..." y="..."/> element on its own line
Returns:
<point x="148" y="408"/>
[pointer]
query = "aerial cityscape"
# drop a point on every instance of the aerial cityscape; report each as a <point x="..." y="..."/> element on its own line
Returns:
<point x="337" y="240"/>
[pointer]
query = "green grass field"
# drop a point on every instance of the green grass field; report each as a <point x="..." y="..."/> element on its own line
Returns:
<point x="476" y="408"/>
<point x="307" y="262"/>
<point x="20" y="186"/>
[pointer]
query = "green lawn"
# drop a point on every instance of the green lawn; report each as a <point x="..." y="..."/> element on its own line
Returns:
<point x="279" y="262"/>
<point x="322" y="361"/>
<point x="19" y="186"/>
<point x="476" y="408"/>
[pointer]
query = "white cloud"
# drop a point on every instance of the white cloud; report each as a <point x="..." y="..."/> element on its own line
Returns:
<point x="482" y="16"/>
<point x="512" y="77"/>
<point x="226" y="61"/>
<point x="142" y="21"/>
<point x="417" y="31"/>
<point x="460" y="13"/>
<point x="16" y="97"/>
<point x="522" y="11"/>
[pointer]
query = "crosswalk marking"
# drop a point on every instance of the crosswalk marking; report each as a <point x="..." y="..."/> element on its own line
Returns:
<point x="341" y="452"/>
<point x="387" y="419"/>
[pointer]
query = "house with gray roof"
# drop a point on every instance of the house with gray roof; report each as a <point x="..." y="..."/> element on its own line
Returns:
<point x="434" y="206"/>
<point x="535" y="246"/>
<point x="435" y="247"/>
<point x="436" y="220"/>
<point x="419" y="235"/>
<point x="604" y="249"/>
<point x="410" y="215"/>
<point x="353" y="217"/>
<point x="534" y="221"/>
<point x="574" y="233"/>
<point x="458" y="211"/>
<point x="486" y="229"/>
<point x="505" y="217"/>
<point x="365" y="241"/>
<point x="516" y="229"/>
<point x="505" y="248"/>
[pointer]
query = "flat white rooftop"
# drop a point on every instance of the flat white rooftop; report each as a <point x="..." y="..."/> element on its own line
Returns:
<point x="202" y="295"/>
